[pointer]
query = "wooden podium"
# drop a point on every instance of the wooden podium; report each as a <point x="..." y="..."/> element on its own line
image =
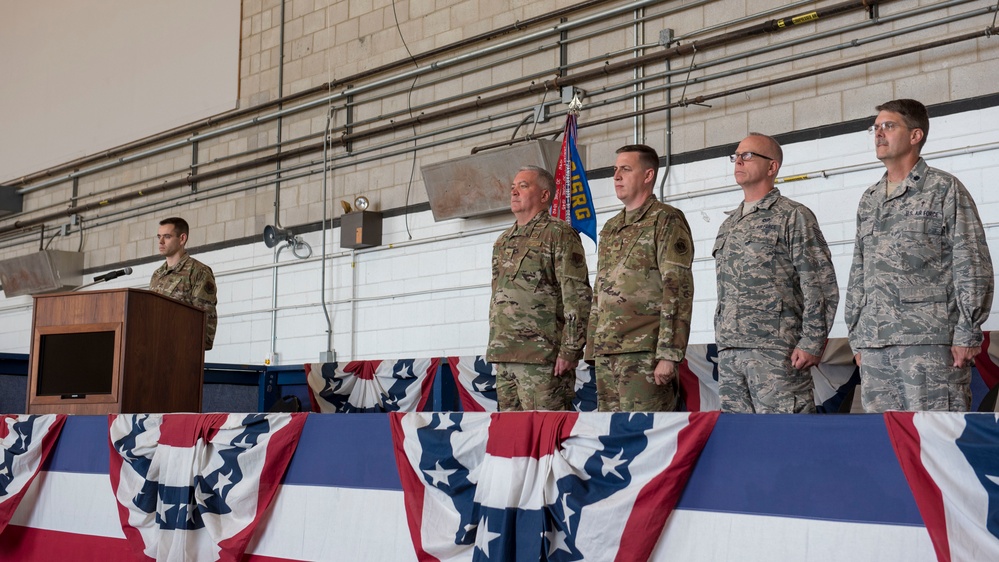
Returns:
<point x="115" y="351"/>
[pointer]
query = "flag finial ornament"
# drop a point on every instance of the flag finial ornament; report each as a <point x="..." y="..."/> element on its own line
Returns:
<point x="575" y="105"/>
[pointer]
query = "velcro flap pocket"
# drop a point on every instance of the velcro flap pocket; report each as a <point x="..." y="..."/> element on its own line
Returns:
<point x="922" y="294"/>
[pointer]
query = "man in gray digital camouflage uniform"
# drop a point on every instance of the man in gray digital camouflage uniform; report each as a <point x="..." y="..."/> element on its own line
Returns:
<point x="540" y="301"/>
<point x="183" y="277"/>
<point x="777" y="291"/>
<point x="643" y="294"/>
<point x="921" y="282"/>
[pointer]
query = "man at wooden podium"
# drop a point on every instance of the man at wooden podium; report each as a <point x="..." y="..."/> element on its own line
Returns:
<point x="183" y="277"/>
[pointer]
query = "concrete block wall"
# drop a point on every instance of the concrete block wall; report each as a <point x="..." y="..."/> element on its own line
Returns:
<point x="326" y="41"/>
<point x="436" y="275"/>
<point x="429" y="295"/>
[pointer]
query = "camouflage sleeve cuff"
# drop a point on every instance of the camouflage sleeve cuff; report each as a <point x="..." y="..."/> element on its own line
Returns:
<point x="964" y="338"/>
<point x="570" y="354"/>
<point x="811" y="347"/>
<point x="855" y="346"/>
<point x="671" y="354"/>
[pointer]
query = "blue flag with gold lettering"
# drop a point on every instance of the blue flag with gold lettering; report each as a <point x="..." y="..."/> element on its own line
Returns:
<point x="573" y="202"/>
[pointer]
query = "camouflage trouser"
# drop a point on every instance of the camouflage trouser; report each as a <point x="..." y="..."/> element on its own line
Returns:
<point x="913" y="377"/>
<point x="625" y="384"/>
<point x="762" y="381"/>
<point x="521" y="386"/>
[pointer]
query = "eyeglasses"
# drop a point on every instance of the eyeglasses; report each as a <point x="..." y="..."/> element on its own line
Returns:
<point x="747" y="156"/>
<point x="886" y="127"/>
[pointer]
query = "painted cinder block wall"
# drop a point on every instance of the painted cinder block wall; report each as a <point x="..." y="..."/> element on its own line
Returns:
<point x="425" y="291"/>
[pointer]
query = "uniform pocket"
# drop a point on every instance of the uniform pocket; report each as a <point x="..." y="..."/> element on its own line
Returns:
<point x="916" y="295"/>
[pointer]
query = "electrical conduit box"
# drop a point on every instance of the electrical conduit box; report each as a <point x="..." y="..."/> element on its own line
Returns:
<point x="360" y="229"/>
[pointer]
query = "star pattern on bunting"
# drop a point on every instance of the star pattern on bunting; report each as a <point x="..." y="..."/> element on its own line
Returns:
<point x="439" y="475"/>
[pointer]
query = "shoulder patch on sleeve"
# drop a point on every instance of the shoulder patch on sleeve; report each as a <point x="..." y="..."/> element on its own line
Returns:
<point x="679" y="247"/>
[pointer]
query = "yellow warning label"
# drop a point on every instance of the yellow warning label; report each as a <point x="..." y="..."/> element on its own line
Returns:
<point x="805" y="18"/>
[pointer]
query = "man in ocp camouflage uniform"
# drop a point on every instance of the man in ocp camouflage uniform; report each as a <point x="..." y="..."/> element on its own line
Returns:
<point x="183" y="277"/>
<point x="921" y="282"/>
<point x="643" y="294"/>
<point x="777" y="291"/>
<point x="540" y="301"/>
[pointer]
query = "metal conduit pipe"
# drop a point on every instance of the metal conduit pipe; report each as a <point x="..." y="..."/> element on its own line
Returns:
<point x="277" y="188"/>
<point x="206" y="193"/>
<point x="470" y="57"/>
<point x="307" y="149"/>
<point x="236" y="114"/>
<point x="714" y="62"/>
<point x="907" y="14"/>
<point x="701" y="99"/>
<point x="204" y="176"/>
<point x="264" y="118"/>
<point x="145" y="181"/>
<point x="146" y="191"/>
<point x="497" y="228"/>
<point x="353" y="303"/>
<point x="773" y="25"/>
<point x="615" y="68"/>
<point x="801" y="41"/>
<point x="853" y="43"/>
<point x="665" y="75"/>
<point x="165" y="186"/>
<point x="681" y="50"/>
<point x="842" y="170"/>
<point x="529" y="110"/>
<point x="668" y="149"/>
<point x="806" y="54"/>
<point x="559" y="43"/>
<point x="310" y="148"/>
<point x="638" y="131"/>
<point x="322" y="281"/>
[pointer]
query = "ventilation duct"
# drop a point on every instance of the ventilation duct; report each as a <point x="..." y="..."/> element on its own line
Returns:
<point x="479" y="184"/>
<point x="42" y="272"/>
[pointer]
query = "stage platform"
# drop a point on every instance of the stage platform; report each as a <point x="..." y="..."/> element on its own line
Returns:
<point x="765" y="488"/>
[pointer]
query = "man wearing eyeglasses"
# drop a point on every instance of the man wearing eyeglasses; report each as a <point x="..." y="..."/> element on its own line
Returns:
<point x="921" y="282"/>
<point x="643" y="293"/>
<point x="777" y="291"/>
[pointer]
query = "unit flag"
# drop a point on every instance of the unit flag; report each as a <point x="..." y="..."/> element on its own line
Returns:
<point x="573" y="202"/>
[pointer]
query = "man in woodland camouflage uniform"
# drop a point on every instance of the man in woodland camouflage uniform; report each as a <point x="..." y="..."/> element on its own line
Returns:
<point x="183" y="277"/>
<point x="777" y="291"/>
<point x="921" y="282"/>
<point x="643" y="293"/>
<point x="540" y="302"/>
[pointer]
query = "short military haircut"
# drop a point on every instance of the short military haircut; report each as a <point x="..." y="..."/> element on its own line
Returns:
<point x="647" y="156"/>
<point x="546" y="180"/>
<point x="180" y="225"/>
<point x="775" y="151"/>
<point x="913" y="113"/>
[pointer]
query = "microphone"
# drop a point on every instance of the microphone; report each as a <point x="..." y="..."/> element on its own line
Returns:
<point x="113" y="275"/>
